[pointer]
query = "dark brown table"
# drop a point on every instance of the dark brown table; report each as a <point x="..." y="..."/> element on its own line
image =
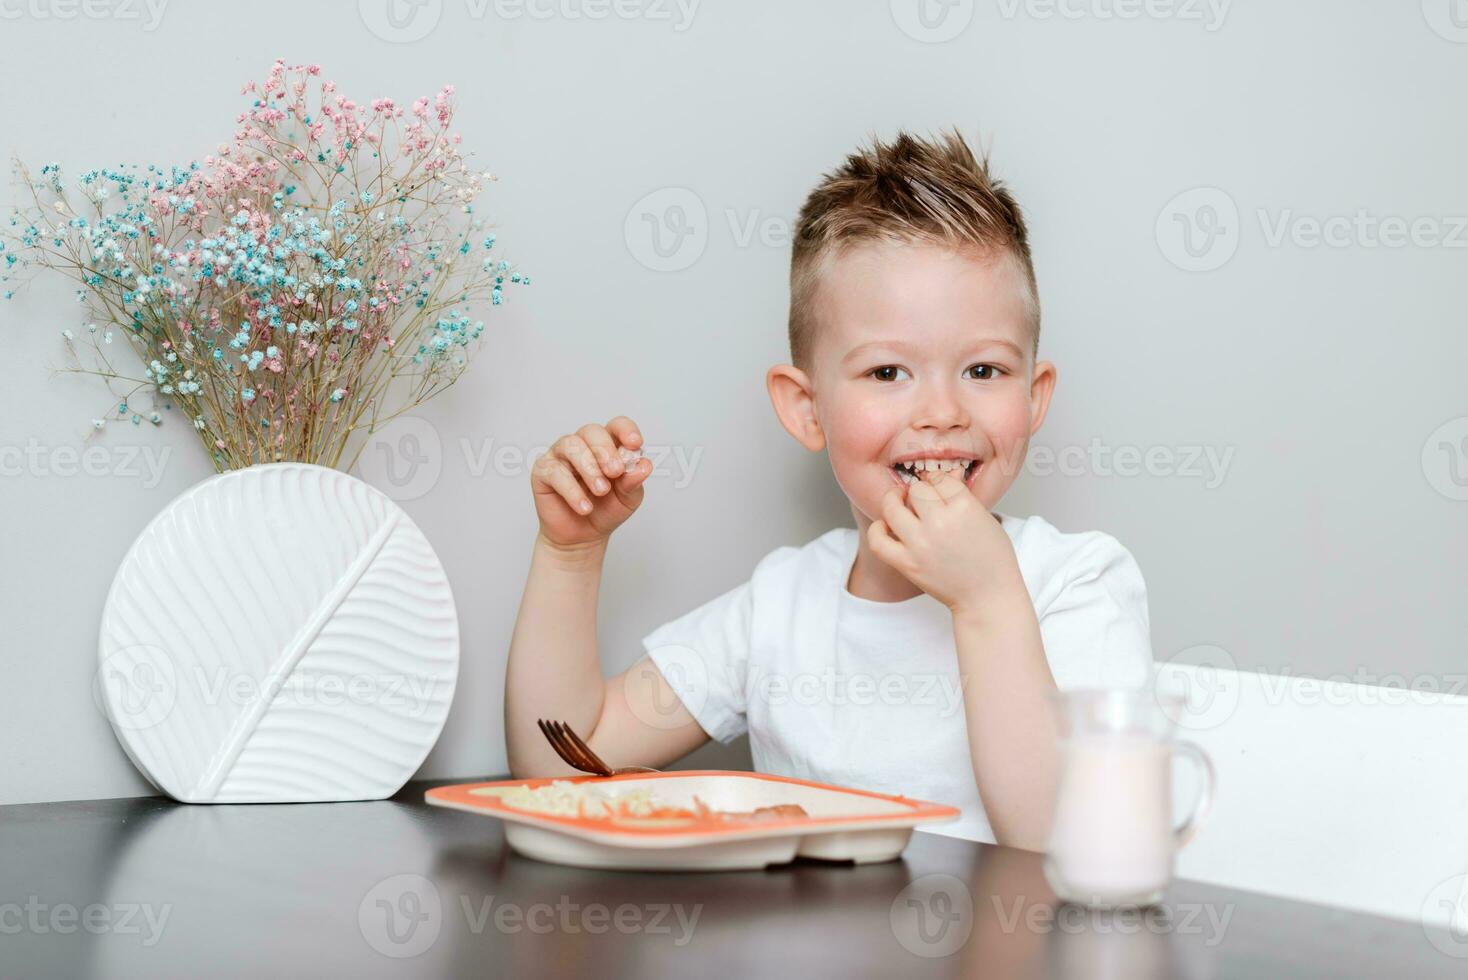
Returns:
<point x="150" y="888"/>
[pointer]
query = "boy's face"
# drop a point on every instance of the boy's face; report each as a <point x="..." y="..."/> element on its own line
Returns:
<point x="919" y="351"/>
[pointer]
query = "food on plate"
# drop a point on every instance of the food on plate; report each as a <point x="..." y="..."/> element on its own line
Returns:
<point x="642" y="806"/>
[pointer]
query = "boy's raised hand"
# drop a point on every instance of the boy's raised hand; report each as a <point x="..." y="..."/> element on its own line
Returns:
<point x="946" y="542"/>
<point x="583" y="490"/>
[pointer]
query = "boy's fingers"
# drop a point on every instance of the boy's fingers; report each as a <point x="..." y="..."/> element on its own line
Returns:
<point x="605" y="450"/>
<point x="883" y="545"/>
<point x="902" y="521"/>
<point x="923" y="497"/>
<point x="574" y="450"/>
<point x="933" y="491"/>
<point x="950" y="486"/>
<point x="557" y="475"/>
<point x="637" y="473"/>
<point x="625" y="431"/>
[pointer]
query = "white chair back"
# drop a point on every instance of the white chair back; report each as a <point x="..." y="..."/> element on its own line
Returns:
<point x="1329" y="792"/>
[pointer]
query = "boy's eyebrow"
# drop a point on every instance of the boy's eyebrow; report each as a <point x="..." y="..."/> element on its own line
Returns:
<point x="899" y="345"/>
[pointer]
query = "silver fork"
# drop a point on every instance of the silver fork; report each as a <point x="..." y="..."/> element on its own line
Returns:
<point x="578" y="754"/>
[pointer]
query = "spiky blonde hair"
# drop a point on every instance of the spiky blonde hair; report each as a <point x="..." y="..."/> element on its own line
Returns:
<point x="908" y="190"/>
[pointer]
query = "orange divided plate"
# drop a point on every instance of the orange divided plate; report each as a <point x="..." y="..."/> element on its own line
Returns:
<point x="841" y="825"/>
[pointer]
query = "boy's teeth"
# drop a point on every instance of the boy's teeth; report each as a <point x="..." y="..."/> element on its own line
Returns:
<point x="909" y="470"/>
<point x="935" y="464"/>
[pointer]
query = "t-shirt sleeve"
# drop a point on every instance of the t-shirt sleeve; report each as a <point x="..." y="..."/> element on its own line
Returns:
<point x="704" y="657"/>
<point x="704" y="654"/>
<point x="1096" y="630"/>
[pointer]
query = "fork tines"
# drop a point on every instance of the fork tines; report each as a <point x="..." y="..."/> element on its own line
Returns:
<point x="569" y="746"/>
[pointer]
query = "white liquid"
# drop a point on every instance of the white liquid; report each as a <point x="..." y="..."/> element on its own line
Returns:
<point x="1112" y="841"/>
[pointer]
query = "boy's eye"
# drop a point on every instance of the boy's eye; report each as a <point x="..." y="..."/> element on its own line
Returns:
<point x="890" y="372"/>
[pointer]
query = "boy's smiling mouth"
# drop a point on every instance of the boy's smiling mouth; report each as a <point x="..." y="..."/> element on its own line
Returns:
<point x="907" y="470"/>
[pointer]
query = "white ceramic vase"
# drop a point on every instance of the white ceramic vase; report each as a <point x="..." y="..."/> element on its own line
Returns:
<point x="280" y="633"/>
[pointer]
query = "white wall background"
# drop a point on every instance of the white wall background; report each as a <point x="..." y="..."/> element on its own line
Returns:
<point x="1331" y="543"/>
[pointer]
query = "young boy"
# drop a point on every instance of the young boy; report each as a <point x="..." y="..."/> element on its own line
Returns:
<point x="917" y="654"/>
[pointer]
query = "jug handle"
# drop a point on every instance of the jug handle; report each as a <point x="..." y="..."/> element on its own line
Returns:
<point x="1185" y="831"/>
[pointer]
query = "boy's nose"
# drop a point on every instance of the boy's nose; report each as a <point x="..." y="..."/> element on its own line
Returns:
<point x="941" y="410"/>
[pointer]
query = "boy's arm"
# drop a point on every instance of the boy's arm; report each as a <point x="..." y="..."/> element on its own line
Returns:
<point x="554" y="672"/>
<point x="1006" y="702"/>
<point x="943" y="540"/>
<point x="585" y="486"/>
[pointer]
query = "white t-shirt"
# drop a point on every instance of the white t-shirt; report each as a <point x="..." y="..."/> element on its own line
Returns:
<point x="866" y="694"/>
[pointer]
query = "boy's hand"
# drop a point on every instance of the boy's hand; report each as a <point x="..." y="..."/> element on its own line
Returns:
<point x="583" y="490"/>
<point x="944" y="541"/>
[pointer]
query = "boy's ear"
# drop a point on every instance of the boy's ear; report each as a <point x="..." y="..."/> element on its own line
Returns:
<point x="794" y="399"/>
<point x="1042" y="386"/>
